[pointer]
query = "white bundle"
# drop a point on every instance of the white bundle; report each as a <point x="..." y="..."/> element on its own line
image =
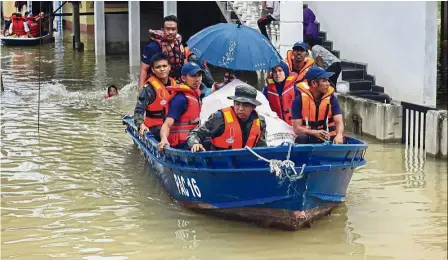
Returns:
<point x="277" y="130"/>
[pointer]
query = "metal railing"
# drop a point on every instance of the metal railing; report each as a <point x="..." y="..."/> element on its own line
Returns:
<point x="414" y="124"/>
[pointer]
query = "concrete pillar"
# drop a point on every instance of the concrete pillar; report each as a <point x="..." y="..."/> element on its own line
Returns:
<point x="134" y="33"/>
<point x="169" y="8"/>
<point x="291" y="26"/>
<point x="77" y="44"/>
<point x="100" y="28"/>
<point x="29" y="6"/>
<point x="57" y="22"/>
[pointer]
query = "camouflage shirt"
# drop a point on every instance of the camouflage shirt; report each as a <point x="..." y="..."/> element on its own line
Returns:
<point x="215" y="126"/>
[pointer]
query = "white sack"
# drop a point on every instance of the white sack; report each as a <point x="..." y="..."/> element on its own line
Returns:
<point x="277" y="130"/>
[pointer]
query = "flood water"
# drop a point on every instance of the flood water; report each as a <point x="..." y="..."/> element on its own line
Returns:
<point x="79" y="189"/>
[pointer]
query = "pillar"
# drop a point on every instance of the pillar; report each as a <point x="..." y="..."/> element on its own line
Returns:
<point x="100" y="28"/>
<point x="57" y="22"/>
<point x="134" y="33"/>
<point x="291" y="26"/>
<point x="169" y="8"/>
<point x="77" y="44"/>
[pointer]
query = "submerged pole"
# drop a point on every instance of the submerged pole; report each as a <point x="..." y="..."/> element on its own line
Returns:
<point x="77" y="44"/>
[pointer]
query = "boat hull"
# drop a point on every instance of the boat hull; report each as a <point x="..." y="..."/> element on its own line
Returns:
<point x="27" y="41"/>
<point x="236" y="185"/>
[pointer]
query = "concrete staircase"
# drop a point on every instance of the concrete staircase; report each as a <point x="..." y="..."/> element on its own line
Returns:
<point x="248" y="12"/>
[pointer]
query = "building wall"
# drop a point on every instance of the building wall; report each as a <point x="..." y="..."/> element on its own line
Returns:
<point x="398" y="41"/>
<point x="8" y="8"/>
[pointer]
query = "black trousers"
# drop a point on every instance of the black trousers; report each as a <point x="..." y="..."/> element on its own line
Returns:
<point x="263" y="22"/>
<point x="336" y="68"/>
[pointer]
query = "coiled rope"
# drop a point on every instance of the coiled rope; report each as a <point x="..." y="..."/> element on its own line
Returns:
<point x="280" y="168"/>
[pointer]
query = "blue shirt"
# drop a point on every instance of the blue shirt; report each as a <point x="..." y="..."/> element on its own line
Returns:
<point x="150" y="50"/>
<point x="177" y="106"/>
<point x="297" y="106"/>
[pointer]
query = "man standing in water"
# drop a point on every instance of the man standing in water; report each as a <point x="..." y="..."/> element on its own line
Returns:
<point x="170" y="45"/>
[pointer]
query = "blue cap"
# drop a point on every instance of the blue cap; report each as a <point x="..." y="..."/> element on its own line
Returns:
<point x="190" y="68"/>
<point x="302" y="45"/>
<point x="317" y="73"/>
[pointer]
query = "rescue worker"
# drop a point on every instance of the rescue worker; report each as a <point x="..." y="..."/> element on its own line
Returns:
<point x="170" y="45"/>
<point x="316" y="114"/>
<point x="183" y="108"/>
<point x="207" y="79"/>
<point x="281" y="91"/>
<point x="152" y="103"/>
<point x="298" y="60"/>
<point x="18" y="26"/>
<point x="34" y="26"/>
<point x="232" y="127"/>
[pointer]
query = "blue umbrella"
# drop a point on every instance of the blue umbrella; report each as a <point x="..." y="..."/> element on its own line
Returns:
<point x="234" y="46"/>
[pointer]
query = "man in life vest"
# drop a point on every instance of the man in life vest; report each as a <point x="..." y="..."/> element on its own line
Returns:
<point x="281" y="91"/>
<point x="207" y="79"/>
<point x="183" y="108"/>
<point x="34" y="26"/>
<point x="170" y="45"/>
<point x="152" y="103"/>
<point x="298" y="60"/>
<point x="18" y="26"/>
<point x="232" y="127"/>
<point x="316" y="114"/>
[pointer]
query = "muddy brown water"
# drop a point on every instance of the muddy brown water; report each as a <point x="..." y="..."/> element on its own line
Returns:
<point x="79" y="189"/>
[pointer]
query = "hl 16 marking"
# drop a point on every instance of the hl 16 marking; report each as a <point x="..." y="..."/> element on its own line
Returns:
<point x="191" y="184"/>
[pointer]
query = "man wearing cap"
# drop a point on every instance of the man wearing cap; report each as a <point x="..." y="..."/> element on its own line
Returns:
<point x="298" y="60"/>
<point x="183" y="108"/>
<point x="316" y="114"/>
<point x="152" y="103"/>
<point x="232" y="127"/>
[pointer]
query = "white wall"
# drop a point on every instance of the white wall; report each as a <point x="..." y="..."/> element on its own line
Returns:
<point x="398" y="41"/>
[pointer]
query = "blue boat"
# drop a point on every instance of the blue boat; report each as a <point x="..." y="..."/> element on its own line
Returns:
<point x="14" y="41"/>
<point x="236" y="184"/>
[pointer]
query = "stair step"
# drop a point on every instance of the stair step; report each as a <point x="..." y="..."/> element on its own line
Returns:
<point x="352" y="73"/>
<point x="336" y="53"/>
<point x="360" y="84"/>
<point x="351" y="64"/>
<point x="378" y="88"/>
<point x="328" y="45"/>
<point x="323" y="34"/>
<point x="369" y="77"/>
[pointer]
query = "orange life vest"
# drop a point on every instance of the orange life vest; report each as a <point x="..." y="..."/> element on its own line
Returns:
<point x="232" y="137"/>
<point x="282" y="105"/>
<point x="34" y="27"/>
<point x="18" y="28"/>
<point x="309" y="62"/>
<point x="157" y="110"/>
<point x="189" y="120"/>
<point x="176" y="55"/>
<point x="318" y="116"/>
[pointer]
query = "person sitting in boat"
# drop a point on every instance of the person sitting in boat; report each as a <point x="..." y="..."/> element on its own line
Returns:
<point x="19" y="27"/>
<point x="232" y="127"/>
<point x="298" y="60"/>
<point x="112" y="90"/>
<point x="152" y="103"/>
<point x="229" y="76"/>
<point x="183" y="108"/>
<point x="207" y="79"/>
<point x="7" y="22"/>
<point x="316" y="114"/>
<point x="34" y="26"/>
<point x="281" y="91"/>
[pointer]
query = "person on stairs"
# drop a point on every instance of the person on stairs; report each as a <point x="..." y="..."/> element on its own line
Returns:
<point x="316" y="114"/>
<point x="327" y="61"/>
<point x="233" y="127"/>
<point x="273" y="7"/>
<point x="152" y="103"/>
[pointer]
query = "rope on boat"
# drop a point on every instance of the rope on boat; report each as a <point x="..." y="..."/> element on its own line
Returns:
<point x="280" y="167"/>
